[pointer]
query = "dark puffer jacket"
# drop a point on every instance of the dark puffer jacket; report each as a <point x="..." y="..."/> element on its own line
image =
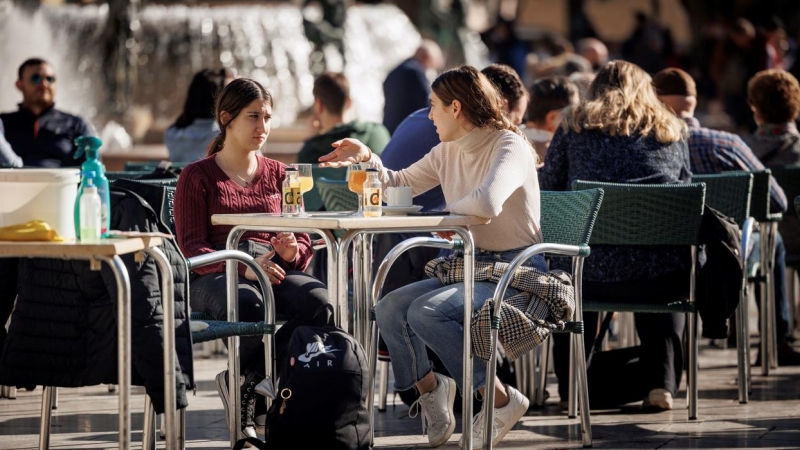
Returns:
<point x="63" y="329"/>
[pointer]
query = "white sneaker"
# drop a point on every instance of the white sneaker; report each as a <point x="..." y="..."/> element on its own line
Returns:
<point x="504" y="419"/>
<point x="437" y="410"/>
<point x="658" y="400"/>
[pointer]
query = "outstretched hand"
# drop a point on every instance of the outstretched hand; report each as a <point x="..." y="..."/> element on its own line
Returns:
<point x="346" y="152"/>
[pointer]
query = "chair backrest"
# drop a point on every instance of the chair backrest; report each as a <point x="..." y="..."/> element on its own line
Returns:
<point x="568" y="217"/>
<point x="313" y="199"/>
<point x="170" y="182"/>
<point x="160" y="194"/>
<point x="149" y="165"/>
<point x="647" y="214"/>
<point x="129" y="174"/>
<point x="336" y="196"/>
<point x="788" y="177"/>
<point x="759" y="205"/>
<point x="728" y="193"/>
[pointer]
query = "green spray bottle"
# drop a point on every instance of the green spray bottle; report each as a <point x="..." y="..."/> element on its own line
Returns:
<point x="90" y="146"/>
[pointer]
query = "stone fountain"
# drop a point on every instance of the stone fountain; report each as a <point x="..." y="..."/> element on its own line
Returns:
<point x="170" y="43"/>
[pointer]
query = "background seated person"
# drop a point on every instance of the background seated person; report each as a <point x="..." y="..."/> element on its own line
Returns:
<point x="714" y="151"/>
<point x="331" y="106"/>
<point x="40" y="134"/>
<point x="549" y="96"/>
<point x="187" y="139"/>
<point x="623" y="134"/>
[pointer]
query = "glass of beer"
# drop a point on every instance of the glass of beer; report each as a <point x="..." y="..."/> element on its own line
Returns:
<point x="356" y="176"/>
<point x="306" y="183"/>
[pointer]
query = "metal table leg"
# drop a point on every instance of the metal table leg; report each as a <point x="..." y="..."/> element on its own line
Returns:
<point x="123" y="347"/>
<point x="168" y="306"/>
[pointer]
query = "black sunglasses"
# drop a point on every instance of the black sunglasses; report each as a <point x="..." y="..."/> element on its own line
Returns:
<point x="37" y="79"/>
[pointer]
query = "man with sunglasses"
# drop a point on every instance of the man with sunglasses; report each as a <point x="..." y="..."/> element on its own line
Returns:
<point x="40" y="134"/>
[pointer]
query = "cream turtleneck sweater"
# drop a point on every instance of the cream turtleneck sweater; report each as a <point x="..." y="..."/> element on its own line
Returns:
<point x="487" y="173"/>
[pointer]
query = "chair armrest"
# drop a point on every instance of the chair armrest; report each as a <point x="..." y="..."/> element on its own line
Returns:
<point x="745" y="245"/>
<point x="249" y="261"/>
<point x="579" y="251"/>
<point x="408" y="244"/>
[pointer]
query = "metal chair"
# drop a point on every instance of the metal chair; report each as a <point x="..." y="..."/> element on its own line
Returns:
<point x="218" y="330"/>
<point x="729" y="193"/>
<point x="652" y="215"/>
<point x="161" y="194"/>
<point x="567" y="220"/>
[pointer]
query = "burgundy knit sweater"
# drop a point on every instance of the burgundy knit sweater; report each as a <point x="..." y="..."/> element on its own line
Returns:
<point x="204" y="190"/>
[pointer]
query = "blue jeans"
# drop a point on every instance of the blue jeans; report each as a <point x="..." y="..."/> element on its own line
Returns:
<point x="782" y="320"/>
<point x="427" y="313"/>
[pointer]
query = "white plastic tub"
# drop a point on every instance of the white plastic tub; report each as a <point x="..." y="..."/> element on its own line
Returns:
<point x="39" y="194"/>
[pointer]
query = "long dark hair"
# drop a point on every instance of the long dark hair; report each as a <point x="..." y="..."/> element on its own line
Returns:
<point x="236" y="96"/>
<point x="202" y="94"/>
<point x="480" y="100"/>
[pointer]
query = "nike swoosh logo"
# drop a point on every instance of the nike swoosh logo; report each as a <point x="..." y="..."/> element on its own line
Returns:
<point x="309" y="357"/>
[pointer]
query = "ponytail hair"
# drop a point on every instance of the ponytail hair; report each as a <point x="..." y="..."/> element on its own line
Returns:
<point x="233" y="99"/>
<point x="481" y="102"/>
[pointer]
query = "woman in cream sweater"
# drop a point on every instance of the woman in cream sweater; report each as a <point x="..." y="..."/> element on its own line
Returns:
<point x="486" y="168"/>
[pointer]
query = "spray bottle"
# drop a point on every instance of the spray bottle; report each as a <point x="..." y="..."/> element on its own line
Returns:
<point x="90" y="212"/>
<point x="90" y="145"/>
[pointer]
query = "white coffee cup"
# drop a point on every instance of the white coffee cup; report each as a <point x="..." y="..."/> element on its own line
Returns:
<point x="398" y="196"/>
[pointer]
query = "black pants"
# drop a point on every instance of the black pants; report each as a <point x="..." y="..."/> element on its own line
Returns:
<point x="661" y="334"/>
<point x="300" y="298"/>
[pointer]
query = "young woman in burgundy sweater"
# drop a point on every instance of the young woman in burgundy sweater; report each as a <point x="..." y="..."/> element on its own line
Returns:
<point x="235" y="178"/>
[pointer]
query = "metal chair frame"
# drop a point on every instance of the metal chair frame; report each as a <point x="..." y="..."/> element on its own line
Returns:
<point x="730" y="193"/>
<point x="647" y="215"/>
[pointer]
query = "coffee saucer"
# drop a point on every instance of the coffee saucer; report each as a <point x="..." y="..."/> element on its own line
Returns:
<point x="400" y="210"/>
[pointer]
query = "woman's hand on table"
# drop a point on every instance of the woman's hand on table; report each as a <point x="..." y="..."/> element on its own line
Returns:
<point x="274" y="272"/>
<point x="285" y="245"/>
<point x="345" y="153"/>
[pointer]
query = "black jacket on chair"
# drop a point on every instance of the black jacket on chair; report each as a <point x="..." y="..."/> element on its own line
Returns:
<point x="63" y="329"/>
<point x="719" y="280"/>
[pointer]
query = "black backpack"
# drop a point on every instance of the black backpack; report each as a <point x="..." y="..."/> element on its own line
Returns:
<point x="322" y="394"/>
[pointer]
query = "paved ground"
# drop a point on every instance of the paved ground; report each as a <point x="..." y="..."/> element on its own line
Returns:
<point x="86" y="417"/>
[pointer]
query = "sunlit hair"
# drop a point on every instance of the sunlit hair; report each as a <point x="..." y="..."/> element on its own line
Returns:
<point x="480" y="100"/>
<point x="233" y="99"/>
<point x="775" y="95"/>
<point x="622" y="101"/>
